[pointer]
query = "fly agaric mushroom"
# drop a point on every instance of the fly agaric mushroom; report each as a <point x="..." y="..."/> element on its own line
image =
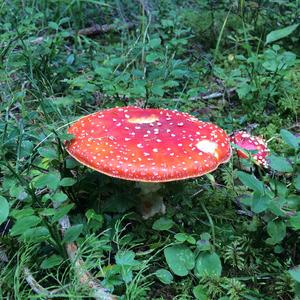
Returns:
<point x="245" y="141"/>
<point x="148" y="145"/>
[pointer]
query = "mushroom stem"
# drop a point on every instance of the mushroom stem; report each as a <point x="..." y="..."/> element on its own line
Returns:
<point x="151" y="201"/>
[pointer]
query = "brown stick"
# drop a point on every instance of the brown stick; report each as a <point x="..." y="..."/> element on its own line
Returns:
<point x="213" y="95"/>
<point x="36" y="287"/>
<point x="85" y="277"/>
<point x="98" y="29"/>
<point x="89" y="31"/>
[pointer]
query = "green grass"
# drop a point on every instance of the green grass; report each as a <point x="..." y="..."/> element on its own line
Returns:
<point x="243" y="225"/>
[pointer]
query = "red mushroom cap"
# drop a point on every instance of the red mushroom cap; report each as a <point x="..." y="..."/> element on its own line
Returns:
<point x="244" y="140"/>
<point x="151" y="145"/>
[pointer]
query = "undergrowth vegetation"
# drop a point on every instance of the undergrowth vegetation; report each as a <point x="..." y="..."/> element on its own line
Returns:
<point x="233" y="234"/>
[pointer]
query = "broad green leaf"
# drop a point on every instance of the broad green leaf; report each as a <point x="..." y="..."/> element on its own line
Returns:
<point x="276" y="208"/>
<point x="73" y="233"/>
<point x="250" y="181"/>
<point x="162" y="224"/>
<point x="103" y="72"/>
<point x="154" y="43"/>
<point x="4" y="209"/>
<point x="289" y="138"/>
<point x="164" y="276"/>
<point x="48" y="153"/>
<point x="280" y="164"/>
<point x="208" y="264"/>
<point x="297" y="182"/>
<point x="52" y="261"/>
<point x="182" y="237"/>
<point x="157" y="90"/>
<point x="297" y="289"/>
<point x="59" y="197"/>
<point x="23" y="224"/>
<point x="293" y="202"/>
<point x="280" y="33"/>
<point x="153" y="56"/>
<point x="199" y="292"/>
<point x="180" y="259"/>
<point x="67" y="181"/>
<point x="53" y="25"/>
<point x="61" y="211"/>
<point x="260" y="202"/>
<point x="126" y="258"/>
<point x="277" y="232"/>
<point x="50" y="179"/>
<point x="36" y="234"/>
<point x="70" y="59"/>
<point x="25" y="212"/>
<point x="295" y="273"/>
<point x="295" y="221"/>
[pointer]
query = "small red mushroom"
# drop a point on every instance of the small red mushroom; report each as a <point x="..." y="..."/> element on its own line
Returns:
<point x="245" y="141"/>
<point x="148" y="145"/>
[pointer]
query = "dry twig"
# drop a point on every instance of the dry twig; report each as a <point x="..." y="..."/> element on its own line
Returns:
<point x="36" y="287"/>
<point x="96" y="29"/>
<point x="209" y="96"/>
<point x="85" y="277"/>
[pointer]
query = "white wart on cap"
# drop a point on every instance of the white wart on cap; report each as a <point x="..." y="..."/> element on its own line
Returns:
<point x="244" y="140"/>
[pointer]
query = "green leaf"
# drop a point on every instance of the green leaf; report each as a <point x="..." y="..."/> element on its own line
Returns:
<point x="260" y="202"/>
<point x="50" y="179"/>
<point x="52" y="261"/>
<point x="125" y="258"/>
<point x="53" y="25"/>
<point x="280" y="33"/>
<point x="153" y="56"/>
<point x="154" y="43"/>
<point x="295" y="273"/>
<point x="36" y="234"/>
<point x="103" y="72"/>
<point x="280" y="164"/>
<point x="59" y="197"/>
<point x="162" y="224"/>
<point x="48" y="153"/>
<point x="289" y="138"/>
<point x="164" y="276"/>
<point x="297" y="182"/>
<point x="199" y="292"/>
<point x="250" y="181"/>
<point x="70" y="59"/>
<point x="182" y="237"/>
<point x="61" y="212"/>
<point x="67" y="181"/>
<point x="277" y="232"/>
<point x="157" y="90"/>
<point x="208" y="264"/>
<point x="73" y="233"/>
<point x="23" y="224"/>
<point x="180" y="259"/>
<point x="295" y="221"/>
<point x="297" y="289"/>
<point x="4" y="209"/>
